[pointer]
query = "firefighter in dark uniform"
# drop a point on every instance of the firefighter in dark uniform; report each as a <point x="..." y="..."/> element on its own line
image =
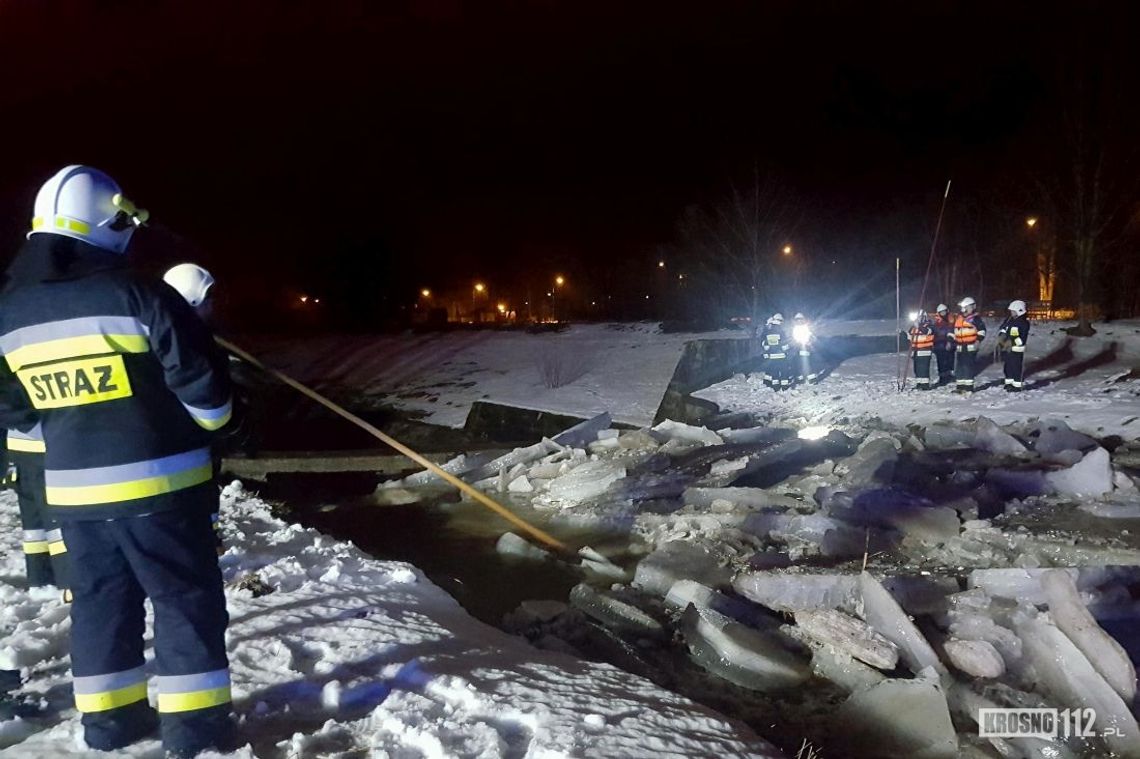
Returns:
<point x="1012" y="338"/>
<point x="126" y="382"/>
<point x="922" y="345"/>
<point x="45" y="554"/>
<point x="944" y="344"/>
<point x="777" y="371"/>
<point x="805" y="340"/>
<point x="969" y="332"/>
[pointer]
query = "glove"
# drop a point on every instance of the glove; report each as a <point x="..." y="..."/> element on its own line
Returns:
<point x="1004" y="343"/>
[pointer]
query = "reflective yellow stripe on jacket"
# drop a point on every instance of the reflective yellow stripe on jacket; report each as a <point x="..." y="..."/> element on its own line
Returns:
<point x="127" y="482"/>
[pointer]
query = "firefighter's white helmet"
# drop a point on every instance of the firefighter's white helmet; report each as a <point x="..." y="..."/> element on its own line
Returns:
<point x="967" y="304"/>
<point x="942" y="309"/>
<point x="1017" y="308"/>
<point x="191" y="281"/>
<point x="85" y="204"/>
<point x="799" y="317"/>
<point x="777" y="318"/>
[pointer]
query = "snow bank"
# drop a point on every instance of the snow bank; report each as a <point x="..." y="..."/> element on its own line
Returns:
<point x="349" y="656"/>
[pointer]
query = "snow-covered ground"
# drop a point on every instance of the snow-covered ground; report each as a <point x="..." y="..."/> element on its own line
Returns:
<point x="351" y="657"/>
<point x="1092" y="383"/>
<point x="620" y="368"/>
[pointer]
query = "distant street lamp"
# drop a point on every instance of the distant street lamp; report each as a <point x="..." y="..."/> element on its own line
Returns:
<point x="1031" y="222"/>
<point x="425" y="292"/>
<point x="480" y="287"/>
<point x="787" y="250"/>
<point x="660" y="264"/>
<point x="559" y="281"/>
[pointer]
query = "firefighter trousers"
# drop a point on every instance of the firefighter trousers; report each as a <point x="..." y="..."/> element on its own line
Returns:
<point x="45" y="553"/>
<point x="778" y="373"/>
<point x="922" y="369"/>
<point x="964" y="371"/>
<point x="170" y="558"/>
<point x="945" y="358"/>
<point x="1014" y="370"/>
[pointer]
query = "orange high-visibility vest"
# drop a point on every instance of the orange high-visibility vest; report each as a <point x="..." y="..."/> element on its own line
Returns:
<point x="965" y="331"/>
<point x="922" y="341"/>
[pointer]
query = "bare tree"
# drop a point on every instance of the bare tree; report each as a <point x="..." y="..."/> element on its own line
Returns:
<point x="742" y="251"/>
<point x="1092" y="191"/>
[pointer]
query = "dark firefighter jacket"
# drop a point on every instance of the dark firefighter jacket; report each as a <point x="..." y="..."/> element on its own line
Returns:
<point x="1014" y="332"/>
<point x="125" y="378"/>
<point x="775" y="342"/>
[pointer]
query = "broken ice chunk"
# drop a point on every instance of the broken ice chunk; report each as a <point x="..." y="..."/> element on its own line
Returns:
<point x="1053" y="436"/>
<point x="610" y="611"/>
<point x="1091" y="476"/>
<point x="685" y="592"/>
<point x="978" y="627"/>
<point x="901" y="718"/>
<point x="843" y="670"/>
<point x="520" y="485"/>
<point x="511" y="544"/>
<point x="744" y="656"/>
<point x="849" y="635"/>
<point x="587" y="481"/>
<point x="1015" y="584"/>
<point x="1101" y="649"/>
<point x="680" y="560"/>
<point x="941" y="436"/>
<point x="976" y="658"/>
<point x="785" y="591"/>
<point x="991" y="438"/>
<point x="687" y="433"/>
<point x="873" y="462"/>
<point x="749" y="497"/>
<point x="883" y="613"/>
<point x="1066" y="675"/>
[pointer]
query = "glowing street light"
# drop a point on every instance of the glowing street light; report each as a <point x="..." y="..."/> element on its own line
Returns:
<point x="559" y="280"/>
<point x="502" y="308"/>
<point x="1031" y="222"/>
<point x="304" y="298"/>
<point x="787" y="250"/>
<point x="425" y="292"/>
<point x="660" y="264"/>
<point x="480" y="287"/>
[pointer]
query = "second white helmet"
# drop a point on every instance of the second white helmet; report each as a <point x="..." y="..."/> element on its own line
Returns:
<point x="191" y="281"/>
<point x="85" y="204"/>
<point x="967" y="303"/>
<point x="777" y="318"/>
<point x="942" y="309"/>
<point x="1017" y="308"/>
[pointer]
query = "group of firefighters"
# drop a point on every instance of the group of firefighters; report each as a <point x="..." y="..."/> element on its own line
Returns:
<point x="953" y="341"/>
<point x="113" y="391"/>
<point x="788" y="353"/>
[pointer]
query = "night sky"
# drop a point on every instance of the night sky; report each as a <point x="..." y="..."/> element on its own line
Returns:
<point x="441" y="140"/>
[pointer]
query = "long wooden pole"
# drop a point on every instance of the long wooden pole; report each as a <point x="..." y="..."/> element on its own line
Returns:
<point x="478" y="496"/>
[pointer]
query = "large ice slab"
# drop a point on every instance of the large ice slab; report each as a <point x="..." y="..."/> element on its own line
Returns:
<point x="740" y="654"/>
<point x="687" y="433"/>
<point x="1091" y="476"/>
<point x="850" y="636"/>
<point x="873" y="462"/>
<point x="900" y="718"/>
<point x="1066" y="675"/>
<point x="680" y="560"/>
<point x="882" y="612"/>
<point x="1101" y="649"/>
<point x="584" y="482"/>
<point x="791" y="592"/>
<point x="613" y="612"/>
